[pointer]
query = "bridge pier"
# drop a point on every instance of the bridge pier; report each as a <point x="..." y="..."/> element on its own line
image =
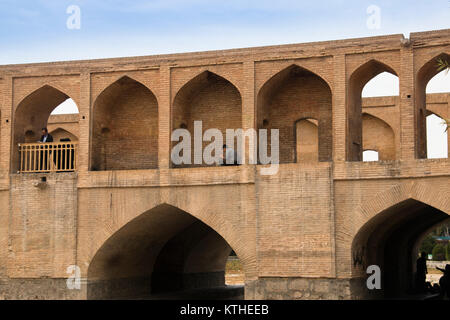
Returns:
<point x="296" y="288"/>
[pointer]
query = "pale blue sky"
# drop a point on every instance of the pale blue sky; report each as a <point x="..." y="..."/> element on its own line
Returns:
<point x="35" y="30"/>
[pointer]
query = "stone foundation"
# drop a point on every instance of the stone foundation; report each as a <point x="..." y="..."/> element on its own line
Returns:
<point x="308" y="289"/>
<point x="39" y="289"/>
<point x="159" y="283"/>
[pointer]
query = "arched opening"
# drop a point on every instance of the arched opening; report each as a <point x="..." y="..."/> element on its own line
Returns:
<point x="389" y="240"/>
<point x="296" y="93"/>
<point x="67" y="107"/>
<point x="163" y="253"/>
<point x="307" y="140"/>
<point x="437" y="137"/>
<point x="435" y="243"/>
<point x="60" y="134"/>
<point x="370" y="155"/>
<point x="383" y="85"/>
<point x="211" y="99"/>
<point x="429" y="80"/>
<point x="125" y="127"/>
<point x="378" y="136"/>
<point x="357" y="83"/>
<point x="234" y="271"/>
<point x="32" y="114"/>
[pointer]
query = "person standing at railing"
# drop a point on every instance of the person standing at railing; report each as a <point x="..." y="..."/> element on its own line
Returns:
<point x="46" y="137"/>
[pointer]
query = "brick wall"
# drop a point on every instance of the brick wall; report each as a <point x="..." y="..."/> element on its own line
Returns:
<point x="298" y="224"/>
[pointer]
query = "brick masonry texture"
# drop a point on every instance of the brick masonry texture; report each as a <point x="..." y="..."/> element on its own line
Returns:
<point x="307" y="232"/>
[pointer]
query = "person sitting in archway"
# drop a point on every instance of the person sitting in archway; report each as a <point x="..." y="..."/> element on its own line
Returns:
<point x="229" y="156"/>
<point x="421" y="273"/>
<point x="444" y="281"/>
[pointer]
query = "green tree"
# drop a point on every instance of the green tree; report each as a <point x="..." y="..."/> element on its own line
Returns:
<point x="443" y="65"/>
<point x="447" y="253"/>
<point x="439" y="252"/>
<point x="428" y="244"/>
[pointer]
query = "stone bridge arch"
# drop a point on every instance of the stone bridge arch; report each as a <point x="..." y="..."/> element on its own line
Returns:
<point x="390" y="226"/>
<point x="163" y="249"/>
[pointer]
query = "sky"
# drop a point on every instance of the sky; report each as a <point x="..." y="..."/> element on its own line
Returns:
<point x="48" y="30"/>
<point x="37" y="31"/>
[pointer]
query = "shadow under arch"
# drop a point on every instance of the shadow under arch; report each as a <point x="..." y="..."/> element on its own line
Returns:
<point x="291" y="94"/>
<point x="357" y="80"/>
<point x="32" y="114"/>
<point x="389" y="240"/>
<point x="210" y="98"/>
<point x="162" y="250"/>
<point x="423" y="76"/>
<point x="125" y="127"/>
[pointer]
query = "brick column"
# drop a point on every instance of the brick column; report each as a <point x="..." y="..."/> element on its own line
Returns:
<point x="407" y="99"/>
<point x="6" y="102"/>
<point x="164" y="118"/>
<point x="84" y="149"/>
<point x="6" y="127"/>
<point x="339" y="109"/>
<point x="447" y="116"/>
<point x="248" y="102"/>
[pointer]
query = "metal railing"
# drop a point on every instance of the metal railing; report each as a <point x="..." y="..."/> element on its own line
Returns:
<point x="48" y="157"/>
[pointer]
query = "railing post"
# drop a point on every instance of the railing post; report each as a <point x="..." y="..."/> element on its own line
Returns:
<point x="47" y="157"/>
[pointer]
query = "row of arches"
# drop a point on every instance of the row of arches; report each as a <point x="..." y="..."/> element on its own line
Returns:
<point x="168" y="250"/>
<point x="296" y="101"/>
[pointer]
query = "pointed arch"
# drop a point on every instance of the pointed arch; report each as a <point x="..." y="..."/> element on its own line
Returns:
<point x="44" y="88"/>
<point x="291" y="94"/>
<point x="430" y="69"/>
<point x="307" y="140"/>
<point x="423" y="76"/>
<point x="390" y="225"/>
<point x="123" y="78"/>
<point x="357" y="80"/>
<point x="210" y="98"/>
<point x="164" y="248"/>
<point x="296" y="64"/>
<point x="61" y="133"/>
<point x="199" y="77"/>
<point x="125" y="127"/>
<point x="378" y="136"/>
<point x="31" y="115"/>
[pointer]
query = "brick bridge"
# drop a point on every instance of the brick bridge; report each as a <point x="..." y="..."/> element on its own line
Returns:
<point x="135" y="224"/>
